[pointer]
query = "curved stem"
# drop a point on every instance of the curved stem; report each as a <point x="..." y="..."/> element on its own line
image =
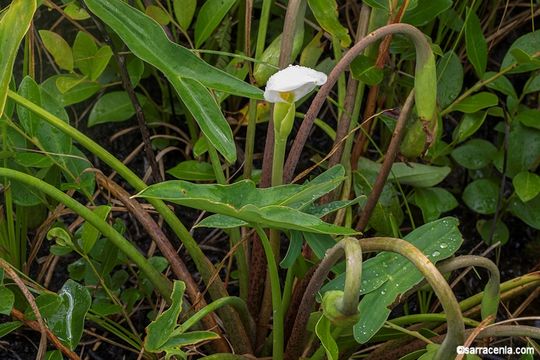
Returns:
<point x="205" y="267"/>
<point x="418" y="318"/>
<point x="277" y="309"/>
<point x="422" y="52"/>
<point x="386" y="167"/>
<point x="159" y="281"/>
<point x="456" y="327"/>
<point x="237" y="303"/>
<point x="490" y="299"/>
<point x="351" y="248"/>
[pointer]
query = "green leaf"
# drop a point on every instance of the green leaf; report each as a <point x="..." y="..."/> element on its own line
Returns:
<point x="158" y="14"/>
<point x="529" y="44"/>
<point x="293" y="251"/>
<point x="193" y="170"/>
<point x="364" y="69"/>
<point x="113" y="107"/>
<point x="450" y="75"/>
<point x="204" y="108"/>
<point x="162" y="329"/>
<point x="326" y="14"/>
<point x="14" y="24"/>
<point x="529" y="117"/>
<point x="388" y="275"/>
<point x="387" y="212"/>
<point x="90" y="234"/>
<point x="523" y="149"/>
<point x="184" y="11"/>
<point x="100" y="62"/>
<point x="75" y="12"/>
<point x="210" y="16"/>
<point x="481" y="196"/>
<point x="84" y="49"/>
<point x="59" y="49"/>
<point x="527" y="185"/>
<point x="7" y="327"/>
<point x="324" y="333"/>
<point x="501" y="84"/>
<point x="31" y="159"/>
<point x="418" y="175"/>
<point x="276" y="207"/>
<point x="476" y="102"/>
<point x="80" y="92"/>
<point x="475" y="154"/>
<point x="219" y="221"/>
<point x="468" y="126"/>
<point x="527" y="212"/>
<point x="426" y="11"/>
<point x="147" y="40"/>
<point x="54" y="355"/>
<point x="501" y="233"/>
<point x="433" y="202"/>
<point x="475" y="43"/>
<point x="7" y="300"/>
<point x="65" y="312"/>
<point x="532" y="85"/>
<point x="190" y="338"/>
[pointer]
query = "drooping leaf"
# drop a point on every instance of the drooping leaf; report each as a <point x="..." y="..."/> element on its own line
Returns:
<point x="501" y="83"/>
<point x="326" y="14"/>
<point x="210" y="16"/>
<point x="78" y="93"/>
<point x="523" y="149"/>
<point x="147" y="40"/>
<point x="475" y="43"/>
<point x="276" y="207"/>
<point x="14" y="24"/>
<point x="204" y="108"/>
<point x="530" y="118"/>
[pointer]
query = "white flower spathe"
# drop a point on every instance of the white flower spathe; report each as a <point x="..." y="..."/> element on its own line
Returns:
<point x="294" y="79"/>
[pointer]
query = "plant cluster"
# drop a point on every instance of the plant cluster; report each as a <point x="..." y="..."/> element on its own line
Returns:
<point x="309" y="183"/>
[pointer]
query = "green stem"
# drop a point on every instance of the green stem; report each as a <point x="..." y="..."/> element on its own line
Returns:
<point x="456" y="327"/>
<point x="280" y="146"/>
<point x="277" y="309"/>
<point x="235" y="302"/>
<point x="490" y="300"/>
<point x="411" y="333"/>
<point x="159" y="281"/>
<point x="204" y="266"/>
<point x="234" y="234"/>
<point x="250" y="138"/>
<point x="263" y="26"/>
<point x="419" y="318"/>
<point x="11" y="244"/>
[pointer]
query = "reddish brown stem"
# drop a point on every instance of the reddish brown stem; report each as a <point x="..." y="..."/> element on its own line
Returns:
<point x="324" y="91"/>
<point x="178" y="267"/>
<point x="371" y="102"/>
<point x="34" y="325"/>
<point x="389" y="158"/>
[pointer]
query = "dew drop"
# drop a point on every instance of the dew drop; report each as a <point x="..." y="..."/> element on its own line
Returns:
<point x="435" y="254"/>
<point x="443" y="245"/>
